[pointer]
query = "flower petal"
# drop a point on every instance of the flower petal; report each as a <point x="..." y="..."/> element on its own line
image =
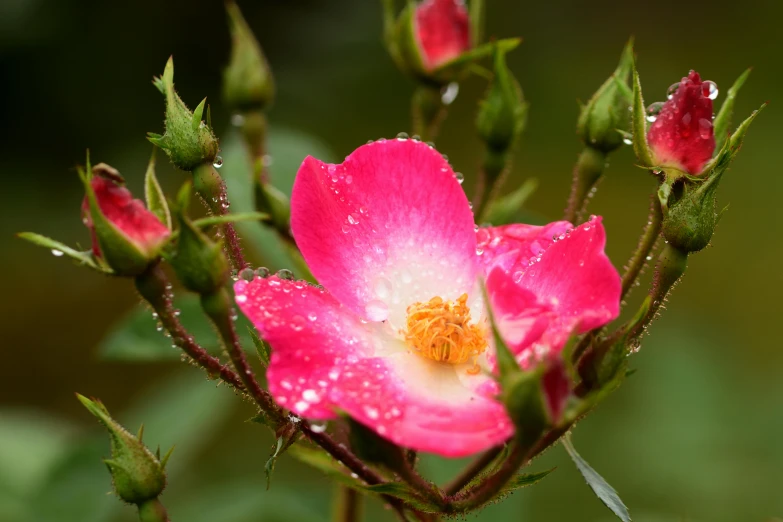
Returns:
<point x="324" y="358"/>
<point x="387" y="228"/>
<point x="443" y="30"/>
<point x="513" y="246"/>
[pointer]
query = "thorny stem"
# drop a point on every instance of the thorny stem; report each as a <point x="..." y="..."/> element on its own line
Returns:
<point x="646" y="244"/>
<point x="587" y="172"/>
<point x="212" y="190"/>
<point x="154" y="287"/>
<point x="219" y="309"/>
<point x="473" y="469"/>
<point x="348" y="507"/>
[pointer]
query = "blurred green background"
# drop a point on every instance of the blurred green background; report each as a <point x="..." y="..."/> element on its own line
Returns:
<point x="694" y="435"/>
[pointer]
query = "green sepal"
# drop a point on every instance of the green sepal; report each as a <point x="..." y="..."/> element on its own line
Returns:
<point x="639" y="124"/>
<point x="605" y="117"/>
<point x="453" y="70"/>
<point x="263" y="349"/>
<point x="118" y="252"/>
<point x="188" y="141"/>
<point x="600" y="487"/>
<point x="248" y="83"/>
<point x="198" y="261"/>
<point x="503" y="111"/>
<point x="156" y="199"/>
<point x="83" y="258"/>
<point x="275" y="204"/>
<point x="137" y="474"/>
<point x="505" y="210"/>
<point x="286" y="434"/>
<point x="722" y="121"/>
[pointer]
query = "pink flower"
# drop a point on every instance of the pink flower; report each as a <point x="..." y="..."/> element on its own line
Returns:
<point x="398" y="338"/>
<point x="140" y="226"/>
<point x="682" y="136"/>
<point x="443" y="30"/>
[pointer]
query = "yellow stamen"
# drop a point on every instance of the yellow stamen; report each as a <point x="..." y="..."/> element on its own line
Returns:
<point x="441" y="330"/>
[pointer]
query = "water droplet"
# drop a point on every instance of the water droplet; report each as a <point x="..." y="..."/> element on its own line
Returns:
<point x="449" y="93"/>
<point x="267" y="160"/>
<point x="402" y="136"/>
<point x="285" y="274"/>
<point x="237" y="120"/>
<point x="218" y="162"/>
<point x="318" y="427"/>
<point x="376" y="310"/>
<point x="517" y="277"/>
<point x="709" y="89"/>
<point x="240" y="298"/>
<point x="460" y="177"/>
<point x="353" y="219"/>
<point x="57" y="253"/>
<point x="705" y="128"/>
<point x="628" y="141"/>
<point x="382" y="288"/>
<point x="262" y="272"/>
<point x="671" y="90"/>
<point x="653" y="110"/>
<point x="247" y="274"/>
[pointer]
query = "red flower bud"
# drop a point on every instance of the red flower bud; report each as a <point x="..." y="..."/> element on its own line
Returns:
<point x="443" y="31"/>
<point x="141" y="227"/>
<point x="682" y="136"/>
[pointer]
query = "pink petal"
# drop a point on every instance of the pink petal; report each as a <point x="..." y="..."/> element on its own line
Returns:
<point x="557" y="389"/>
<point x="511" y="246"/>
<point x="682" y="135"/>
<point x="443" y="29"/>
<point x="576" y="278"/>
<point x="325" y="359"/>
<point x="387" y="228"/>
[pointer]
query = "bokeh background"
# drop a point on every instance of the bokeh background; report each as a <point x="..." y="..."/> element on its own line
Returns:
<point x="694" y="435"/>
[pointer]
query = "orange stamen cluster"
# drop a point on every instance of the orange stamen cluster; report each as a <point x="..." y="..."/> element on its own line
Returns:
<point x="440" y="330"/>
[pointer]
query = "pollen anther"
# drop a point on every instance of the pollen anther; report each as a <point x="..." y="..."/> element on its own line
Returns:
<point x="442" y="331"/>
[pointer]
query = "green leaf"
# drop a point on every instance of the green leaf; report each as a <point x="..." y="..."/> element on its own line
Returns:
<point x="262" y="348"/>
<point x="639" y="124"/>
<point x="723" y="119"/>
<point x="156" y="199"/>
<point x="600" y="487"/>
<point x="502" y="211"/>
<point x="134" y="338"/>
<point x="523" y="480"/>
<point x="58" y="249"/>
<point x="477" y="53"/>
<point x="230" y="218"/>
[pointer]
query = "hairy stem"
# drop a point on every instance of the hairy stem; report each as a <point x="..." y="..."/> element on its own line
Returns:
<point x="473" y="469"/>
<point x="212" y="190"/>
<point x="587" y="172"/>
<point x="348" y="506"/>
<point x="153" y="511"/>
<point x="646" y="244"/>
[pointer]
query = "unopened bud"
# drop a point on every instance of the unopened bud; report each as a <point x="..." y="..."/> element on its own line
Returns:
<point x="502" y="113"/>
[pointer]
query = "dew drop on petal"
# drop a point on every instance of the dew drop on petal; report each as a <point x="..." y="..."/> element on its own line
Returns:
<point x="653" y="110"/>
<point x="382" y="288"/>
<point x="376" y="310"/>
<point x="285" y="274"/>
<point x="218" y="162"/>
<point x="671" y="90"/>
<point x="460" y="177"/>
<point x="705" y="128"/>
<point x="709" y="89"/>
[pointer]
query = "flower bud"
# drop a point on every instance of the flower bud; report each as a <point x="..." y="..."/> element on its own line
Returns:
<point x="188" y="141"/>
<point x="137" y="474"/>
<point x="690" y="222"/>
<point x="681" y="136"/>
<point x="125" y="235"/>
<point x="198" y="261"/>
<point x="428" y="35"/>
<point x="247" y="81"/>
<point x="606" y="116"/>
<point x="502" y="113"/>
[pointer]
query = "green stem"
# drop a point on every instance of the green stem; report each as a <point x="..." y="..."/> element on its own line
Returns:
<point x="153" y="286"/>
<point x="218" y="307"/>
<point x="587" y="172"/>
<point x="348" y="507"/>
<point x="645" y="247"/>
<point x="153" y="511"/>
<point x="253" y="128"/>
<point x="493" y="170"/>
<point x="428" y="111"/>
<point x="212" y="190"/>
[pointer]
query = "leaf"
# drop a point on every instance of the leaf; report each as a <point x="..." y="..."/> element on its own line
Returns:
<point x="83" y="258"/>
<point x="262" y="348"/>
<point x="524" y="479"/>
<point x="600" y="487"/>
<point x="230" y="218"/>
<point x="639" y="124"/>
<point x="723" y="119"/>
<point x="502" y="211"/>
<point x="135" y="338"/>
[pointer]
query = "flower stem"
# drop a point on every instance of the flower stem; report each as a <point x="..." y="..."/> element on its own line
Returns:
<point x="218" y="306"/>
<point x="587" y="172"/>
<point x="212" y="190"/>
<point x="254" y="133"/>
<point x="646" y="244"/>
<point x="473" y="469"/>
<point x="348" y="506"/>
<point x="153" y="511"/>
<point x="428" y="111"/>
<point x="154" y="287"/>
<point x="491" y="176"/>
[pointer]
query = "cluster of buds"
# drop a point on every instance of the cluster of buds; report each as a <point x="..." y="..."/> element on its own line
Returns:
<point x="423" y="319"/>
